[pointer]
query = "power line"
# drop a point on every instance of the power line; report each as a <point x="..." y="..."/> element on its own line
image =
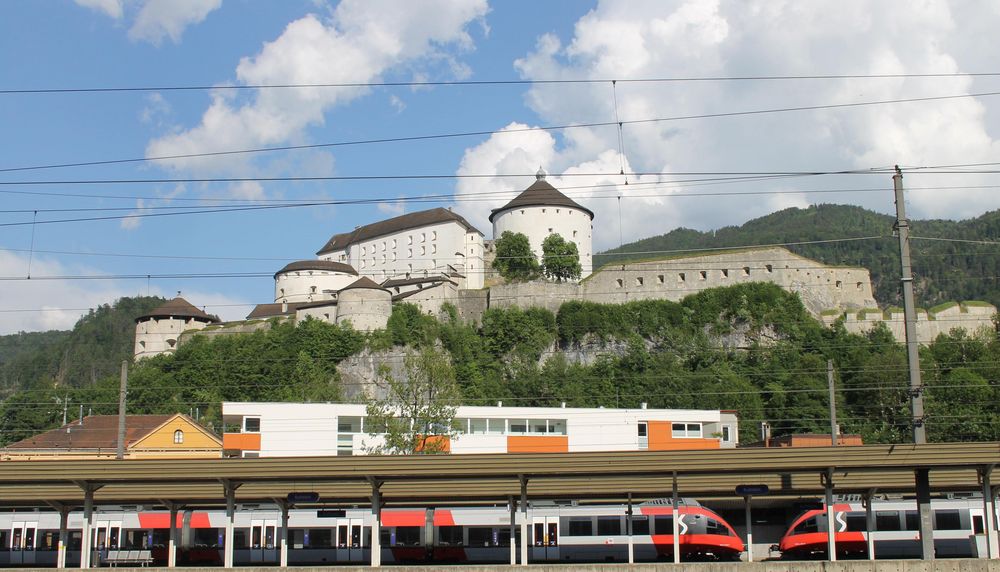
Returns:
<point x="480" y="133"/>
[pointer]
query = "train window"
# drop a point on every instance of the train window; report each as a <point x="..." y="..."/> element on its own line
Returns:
<point x="481" y="536"/>
<point x="887" y="520"/>
<point x="947" y="520"/>
<point x="251" y="424"/>
<point x="451" y="535"/>
<point x="408" y="535"/>
<point x="640" y="526"/>
<point x="580" y="527"/>
<point x="912" y="520"/>
<point x="663" y="524"/>
<point x="241" y="538"/>
<point x="856" y="522"/>
<point x="713" y="526"/>
<point x="320" y="537"/>
<point x="609" y="526"/>
<point x="806" y="526"/>
<point x="977" y="524"/>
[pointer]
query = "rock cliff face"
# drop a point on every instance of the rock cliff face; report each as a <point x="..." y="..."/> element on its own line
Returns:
<point x="359" y="373"/>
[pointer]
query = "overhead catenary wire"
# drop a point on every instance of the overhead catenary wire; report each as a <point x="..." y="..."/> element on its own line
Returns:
<point x="491" y="132"/>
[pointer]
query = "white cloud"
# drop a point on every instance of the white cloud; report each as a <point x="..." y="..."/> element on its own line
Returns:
<point x="392" y="209"/>
<point x="113" y="8"/>
<point x="63" y="302"/>
<point x="133" y="220"/>
<point x="159" y="19"/>
<point x="627" y="39"/>
<point x="361" y="40"/>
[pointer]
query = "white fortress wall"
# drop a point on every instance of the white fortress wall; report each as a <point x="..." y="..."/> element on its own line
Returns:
<point x="157" y="336"/>
<point x="975" y="318"/>
<point x="365" y="308"/>
<point x="430" y="300"/>
<point x="324" y="313"/>
<point x="309" y="285"/>
<point x="424" y="250"/>
<point x="538" y="222"/>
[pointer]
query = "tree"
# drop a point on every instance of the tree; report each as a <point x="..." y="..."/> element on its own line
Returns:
<point x="416" y="415"/>
<point x="514" y="258"/>
<point x="560" y="258"/>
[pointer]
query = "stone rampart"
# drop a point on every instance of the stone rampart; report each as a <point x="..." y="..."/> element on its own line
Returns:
<point x="973" y="317"/>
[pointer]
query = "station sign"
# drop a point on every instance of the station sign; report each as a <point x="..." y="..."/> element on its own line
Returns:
<point x="331" y="513"/>
<point x="303" y="497"/>
<point x="751" y="490"/>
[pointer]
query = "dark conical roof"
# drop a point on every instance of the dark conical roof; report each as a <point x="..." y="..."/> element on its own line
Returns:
<point x="541" y="194"/>
<point x="178" y="308"/>
<point x="327" y="265"/>
<point x="363" y="282"/>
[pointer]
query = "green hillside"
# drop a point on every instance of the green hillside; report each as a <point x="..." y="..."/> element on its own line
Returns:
<point x="943" y="271"/>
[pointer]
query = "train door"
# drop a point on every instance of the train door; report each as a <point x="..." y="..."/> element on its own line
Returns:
<point x="263" y="539"/>
<point x="350" y="540"/>
<point x="22" y="542"/>
<point x="544" y="538"/>
<point x="105" y="536"/>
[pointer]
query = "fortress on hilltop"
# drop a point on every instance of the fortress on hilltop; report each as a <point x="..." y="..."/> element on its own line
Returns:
<point x="435" y="256"/>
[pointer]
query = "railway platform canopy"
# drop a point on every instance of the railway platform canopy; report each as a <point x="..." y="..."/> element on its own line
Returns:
<point x="429" y="480"/>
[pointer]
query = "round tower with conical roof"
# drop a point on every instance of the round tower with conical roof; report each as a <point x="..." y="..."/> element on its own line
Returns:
<point x="311" y="280"/>
<point x="158" y="331"/>
<point x="541" y="210"/>
<point x="365" y="304"/>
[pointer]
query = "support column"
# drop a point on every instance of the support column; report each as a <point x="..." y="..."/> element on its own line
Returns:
<point x="989" y="512"/>
<point x="923" y="482"/>
<point x="749" y="522"/>
<point x="869" y="525"/>
<point x="63" y="536"/>
<point x="283" y="534"/>
<point x="525" y="541"/>
<point x="230" y="490"/>
<point x="86" y="550"/>
<point x="513" y="527"/>
<point x="172" y="539"/>
<point x="831" y="522"/>
<point x="376" y="543"/>
<point x="677" y="523"/>
<point x="628" y="530"/>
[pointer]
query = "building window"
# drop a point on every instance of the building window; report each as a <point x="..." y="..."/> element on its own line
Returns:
<point x="394" y="243"/>
<point x="839" y="284"/>
<point x="574" y="234"/>
<point x="383" y="246"/>
<point x="409" y="253"/>
<point x="746" y="271"/>
<point x="725" y="273"/>
<point x="251" y="424"/>
<point x="178" y="437"/>
<point x="859" y="286"/>
<point x="619" y="282"/>
<point x="364" y="249"/>
<point x="643" y="430"/>
<point x="345" y="445"/>
<point x="434" y="235"/>
<point x="769" y="268"/>
<point x="680" y="277"/>
<point x="434" y="249"/>
<point x="686" y="430"/>
<point x="394" y="256"/>
<point x="702" y="275"/>
<point x="423" y="250"/>
<point x="638" y="281"/>
<point x="543" y="211"/>
<point x="727" y="433"/>
<point x="409" y="239"/>
<point x="659" y="278"/>
<point x="423" y="237"/>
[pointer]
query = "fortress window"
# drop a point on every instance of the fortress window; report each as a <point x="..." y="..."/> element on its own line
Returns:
<point x="423" y="237"/>
<point x="393" y="256"/>
<point x="769" y="268"/>
<point x="659" y="278"/>
<point x="363" y="249"/>
<point x="423" y="250"/>
<point x="702" y="275"/>
<point x="409" y="239"/>
<point x="362" y="263"/>
<point x="409" y="253"/>
<point x="725" y="273"/>
<point x="434" y="235"/>
<point x="383" y="259"/>
<point x="638" y="281"/>
<point x="620" y="283"/>
<point x="394" y="243"/>
<point x="543" y="211"/>
<point x="680" y="276"/>
<point x="550" y="231"/>
<point x="746" y="271"/>
<point x="383" y="246"/>
<point x="557" y="211"/>
<point x="522" y="211"/>
<point x="312" y="289"/>
<point x="859" y="286"/>
<point x="840" y="284"/>
<point x="178" y="437"/>
<point x="574" y="234"/>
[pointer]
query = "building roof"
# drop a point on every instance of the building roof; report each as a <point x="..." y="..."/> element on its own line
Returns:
<point x="394" y="225"/>
<point x="274" y="310"/>
<point x="541" y="193"/>
<point x="327" y="265"/>
<point x="95" y="432"/>
<point x="178" y="308"/>
<point x="363" y="282"/>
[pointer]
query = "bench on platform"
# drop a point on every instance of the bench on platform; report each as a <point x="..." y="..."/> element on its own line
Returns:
<point x="128" y="557"/>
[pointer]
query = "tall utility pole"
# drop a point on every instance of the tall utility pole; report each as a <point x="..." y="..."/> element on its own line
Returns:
<point x="833" y="403"/>
<point x="902" y="228"/>
<point x="122" y="390"/>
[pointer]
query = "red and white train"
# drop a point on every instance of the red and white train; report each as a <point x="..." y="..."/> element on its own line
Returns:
<point x="958" y="530"/>
<point x="556" y="533"/>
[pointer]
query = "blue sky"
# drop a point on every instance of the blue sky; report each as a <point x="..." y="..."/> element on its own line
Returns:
<point x="164" y="43"/>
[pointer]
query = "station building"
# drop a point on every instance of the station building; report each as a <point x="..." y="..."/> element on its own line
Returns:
<point x="308" y="429"/>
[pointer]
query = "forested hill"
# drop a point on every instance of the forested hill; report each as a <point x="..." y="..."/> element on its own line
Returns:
<point x="944" y="270"/>
<point x="93" y="349"/>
